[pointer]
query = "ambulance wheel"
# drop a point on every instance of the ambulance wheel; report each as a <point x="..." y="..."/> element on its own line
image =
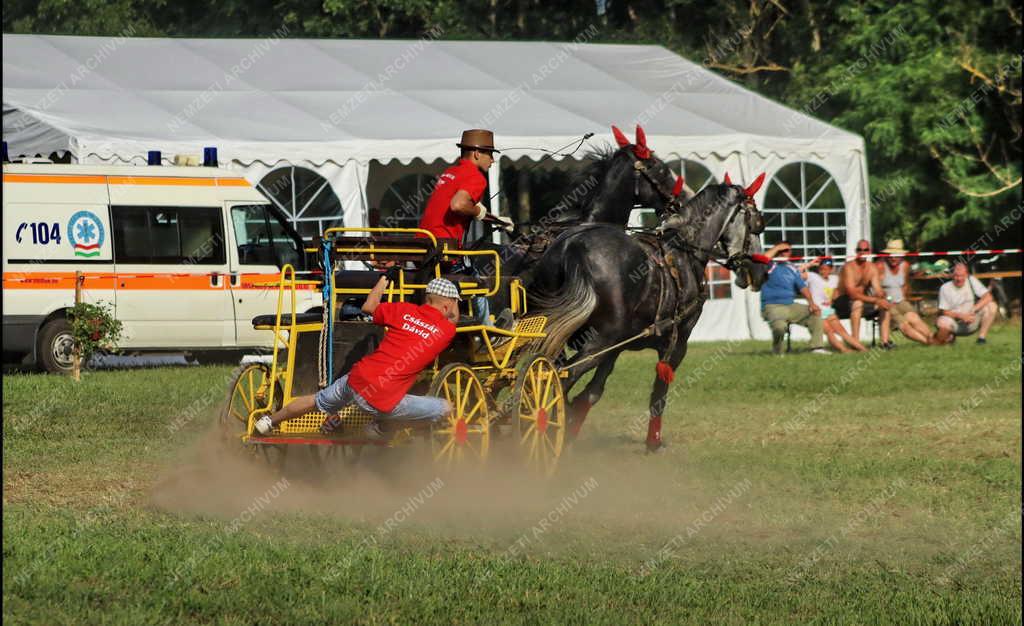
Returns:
<point x="56" y="346"/>
<point x="218" y="357"/>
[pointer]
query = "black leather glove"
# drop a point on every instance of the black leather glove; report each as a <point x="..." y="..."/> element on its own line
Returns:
<point x="392" y="273"/>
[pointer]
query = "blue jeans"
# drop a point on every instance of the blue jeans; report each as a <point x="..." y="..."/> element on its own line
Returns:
<point x="481" y="307"/>
<point x="335" y="397"/>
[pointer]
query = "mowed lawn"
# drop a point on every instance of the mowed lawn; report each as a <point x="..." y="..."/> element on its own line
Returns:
<point x="862" y="489"/>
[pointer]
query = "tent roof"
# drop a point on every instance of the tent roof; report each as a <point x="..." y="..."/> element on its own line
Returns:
<point x="336" y="100"/>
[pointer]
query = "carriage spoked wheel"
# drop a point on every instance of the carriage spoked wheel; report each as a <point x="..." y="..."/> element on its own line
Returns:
<point x="540" y="416"/>
<point x="464" y="437"/>
<point x="250" y="391"/>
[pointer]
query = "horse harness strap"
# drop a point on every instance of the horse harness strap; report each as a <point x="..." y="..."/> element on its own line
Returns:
<point x="663" y="258"/>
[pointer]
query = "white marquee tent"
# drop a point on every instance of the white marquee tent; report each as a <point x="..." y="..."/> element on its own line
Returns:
<point x="338" y="106"/>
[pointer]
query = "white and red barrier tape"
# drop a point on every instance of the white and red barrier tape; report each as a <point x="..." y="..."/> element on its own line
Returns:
<point x="882" y="255"/>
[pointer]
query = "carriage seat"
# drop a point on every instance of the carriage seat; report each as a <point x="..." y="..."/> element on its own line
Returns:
<point x="269" y="319"/>
<point x="356" y="279"/>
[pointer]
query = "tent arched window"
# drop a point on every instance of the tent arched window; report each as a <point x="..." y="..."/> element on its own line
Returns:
<point x="403" y="201"/>
<point x="803" y="205"/>
<point x="305" y="197"/>
<point x="696" y="174"/>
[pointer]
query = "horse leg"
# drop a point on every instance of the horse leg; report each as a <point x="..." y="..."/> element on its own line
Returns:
<point x="586" y="399"/>
<point x="660" y="390"/>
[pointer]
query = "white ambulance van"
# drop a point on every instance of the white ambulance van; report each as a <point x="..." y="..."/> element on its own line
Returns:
<point x="178" y="252"/>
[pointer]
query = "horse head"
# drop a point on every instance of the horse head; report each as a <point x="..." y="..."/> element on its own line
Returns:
<point x="723" y="221"/>
<point x="632" y="175"/>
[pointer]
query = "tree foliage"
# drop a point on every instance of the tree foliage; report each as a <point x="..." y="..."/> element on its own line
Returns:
<point x="934" y="86"/>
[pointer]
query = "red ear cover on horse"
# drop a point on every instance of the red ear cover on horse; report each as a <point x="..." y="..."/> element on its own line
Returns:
<point x="640" y="149"/>
<point x="727" y="181"/>
<point x="620" y="138"/>
<point x="754" y="186"/>
<point x="678" y="189"/>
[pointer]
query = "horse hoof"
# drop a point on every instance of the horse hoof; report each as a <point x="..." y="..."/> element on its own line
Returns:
<point x="654" y="447"/>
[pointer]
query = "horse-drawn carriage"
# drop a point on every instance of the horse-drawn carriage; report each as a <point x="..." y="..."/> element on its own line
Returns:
<point x="499" y="389"/>
<point x="596" y="288"/>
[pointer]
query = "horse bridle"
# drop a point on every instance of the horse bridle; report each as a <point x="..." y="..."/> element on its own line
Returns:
<point x="754" y="223"/>
<point x="753" y="220"/>
<point x="640" y="170"/>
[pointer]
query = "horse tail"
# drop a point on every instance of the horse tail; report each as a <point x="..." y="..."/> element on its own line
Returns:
<point x="566" y="309"/>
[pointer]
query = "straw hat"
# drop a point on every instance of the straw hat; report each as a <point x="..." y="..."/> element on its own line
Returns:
<point x="894" y="246"/>
<point x="477" y="139"/>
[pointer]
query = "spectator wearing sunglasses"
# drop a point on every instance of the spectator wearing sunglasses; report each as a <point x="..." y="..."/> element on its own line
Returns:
<point x="777" y="300"/>
<point x="860" y="289"/>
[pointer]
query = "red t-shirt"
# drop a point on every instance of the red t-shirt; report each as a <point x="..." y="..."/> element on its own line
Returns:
<point x="438" y="217"/>
<point x="416" y="335"/>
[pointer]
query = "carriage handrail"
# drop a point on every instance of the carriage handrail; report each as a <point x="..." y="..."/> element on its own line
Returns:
<point x="379" y="229"/>
<point x="487" y="331"/>
<point x="497" y="266"/>
<point x="286" y="271"/>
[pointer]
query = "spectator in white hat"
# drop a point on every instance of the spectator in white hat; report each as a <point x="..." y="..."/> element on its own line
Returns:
<point x="379" y="382"/>
<point x="895" y="280"/>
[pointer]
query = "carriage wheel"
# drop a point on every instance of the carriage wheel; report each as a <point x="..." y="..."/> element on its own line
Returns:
<point x="250" y="391"/>
<point x="540" y="417"/>
<point x="464" y="437"/>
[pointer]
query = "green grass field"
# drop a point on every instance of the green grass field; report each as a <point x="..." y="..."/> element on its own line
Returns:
<point x="879" y="488"/>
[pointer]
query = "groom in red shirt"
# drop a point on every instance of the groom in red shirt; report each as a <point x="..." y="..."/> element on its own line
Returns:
<point x="379" y="382"/>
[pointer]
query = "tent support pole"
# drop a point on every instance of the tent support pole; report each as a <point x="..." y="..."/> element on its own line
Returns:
<point x="494" y="190"/>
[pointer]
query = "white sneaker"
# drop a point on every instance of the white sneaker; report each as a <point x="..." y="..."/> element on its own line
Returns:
<point x="820" y="351"/>
<point x="264" y="425"/>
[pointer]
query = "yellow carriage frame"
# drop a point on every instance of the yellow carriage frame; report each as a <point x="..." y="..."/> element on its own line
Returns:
<point x="537" y="395"/>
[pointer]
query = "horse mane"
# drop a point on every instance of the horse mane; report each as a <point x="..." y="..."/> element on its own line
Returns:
<point x="695" y="213"/>
<point x="601" y="158"/>
<point x="702" y="205"/>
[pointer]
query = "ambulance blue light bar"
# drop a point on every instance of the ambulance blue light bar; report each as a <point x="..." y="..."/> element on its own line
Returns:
<point x="209" y="156"/>
<point x="153" y="157"/>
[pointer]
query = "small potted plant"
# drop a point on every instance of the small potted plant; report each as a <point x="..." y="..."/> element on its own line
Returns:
<point x="94" y="329"/>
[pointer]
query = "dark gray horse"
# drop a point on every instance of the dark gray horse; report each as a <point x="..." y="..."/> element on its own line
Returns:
<point x="605" y="291"/>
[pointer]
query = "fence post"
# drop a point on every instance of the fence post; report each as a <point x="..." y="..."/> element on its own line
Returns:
<point x="76" y="365"/>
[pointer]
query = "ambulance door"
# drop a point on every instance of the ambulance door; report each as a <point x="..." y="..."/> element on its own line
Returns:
<point x="172" y="275"/>
<point x="263" y="245"/>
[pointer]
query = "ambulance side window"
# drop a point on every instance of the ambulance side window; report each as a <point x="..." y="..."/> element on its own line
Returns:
<point x="168" y="235"/>
<point x="262" y="240"/>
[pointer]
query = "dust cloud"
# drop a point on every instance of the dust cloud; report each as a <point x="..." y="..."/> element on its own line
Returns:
<point x="603" y="492"/>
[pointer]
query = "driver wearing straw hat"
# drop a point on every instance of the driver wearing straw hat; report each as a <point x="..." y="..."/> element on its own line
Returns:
<point x="379" y="382"/>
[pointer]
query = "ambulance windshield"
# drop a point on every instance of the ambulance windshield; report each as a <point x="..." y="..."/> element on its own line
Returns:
<point x="262" y="238"/>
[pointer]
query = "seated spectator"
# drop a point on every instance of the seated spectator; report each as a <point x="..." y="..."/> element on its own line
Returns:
<point x="965" y="307"/>
<point x="895" y="272"/>
<point x="822" y="285"/>
<point x="777" y="295"/>
<point x="859" y="289"/>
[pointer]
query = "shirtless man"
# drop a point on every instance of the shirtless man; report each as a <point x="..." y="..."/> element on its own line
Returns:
<point x="855" y="278"/>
